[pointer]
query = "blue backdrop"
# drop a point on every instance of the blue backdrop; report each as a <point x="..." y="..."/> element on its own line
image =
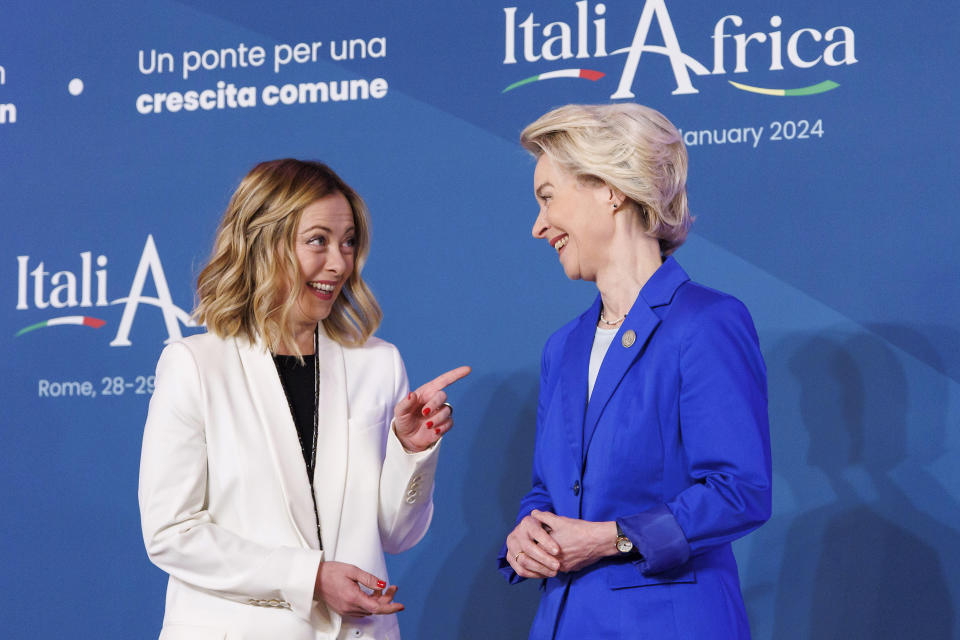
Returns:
<point x="824" y="184"/>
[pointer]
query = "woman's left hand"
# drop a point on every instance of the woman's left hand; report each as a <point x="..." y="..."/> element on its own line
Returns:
<point x="422" y="417"/>
<point x="581" y="542"/>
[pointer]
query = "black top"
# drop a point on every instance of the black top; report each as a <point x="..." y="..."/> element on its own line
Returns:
<point x="298" y="384"/>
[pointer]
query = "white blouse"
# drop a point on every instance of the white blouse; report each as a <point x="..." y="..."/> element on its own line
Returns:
<point x="601" y="342"/>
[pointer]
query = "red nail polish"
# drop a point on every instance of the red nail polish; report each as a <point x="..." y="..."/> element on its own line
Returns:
<point x="429" y="423"/>
<point x="409" y="395"/>
<point x="381" y="584"/>
<point x="438" y="430"/>
<point x="426" y="411"/>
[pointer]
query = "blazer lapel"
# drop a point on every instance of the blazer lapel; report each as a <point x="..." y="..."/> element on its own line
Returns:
<point x="575" y="363"/>
<point x="273" y="412"/>
<point x="641" y="320"/>
<point x="330" y="477"/>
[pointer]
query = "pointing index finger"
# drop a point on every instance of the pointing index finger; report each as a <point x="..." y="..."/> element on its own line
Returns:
<point x="443" y="380"/>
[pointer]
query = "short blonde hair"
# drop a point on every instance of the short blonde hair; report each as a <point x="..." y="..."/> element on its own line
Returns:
<point x="253" y="259"/>
<point x="630" y="147"/>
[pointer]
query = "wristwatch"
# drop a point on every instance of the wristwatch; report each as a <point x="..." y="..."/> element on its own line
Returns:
<point x="624" y="544"/>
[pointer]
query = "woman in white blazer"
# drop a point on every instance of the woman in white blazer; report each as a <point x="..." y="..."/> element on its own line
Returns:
<point x="283" y="452"/>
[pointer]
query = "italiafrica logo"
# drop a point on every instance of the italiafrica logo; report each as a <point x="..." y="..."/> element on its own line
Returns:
<point x="556" y="40"/>
<point x="63" y="294"/>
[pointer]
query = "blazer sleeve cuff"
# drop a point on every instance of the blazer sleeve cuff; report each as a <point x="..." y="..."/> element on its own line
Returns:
<point x="658" y="538"/>
<point x="406" y="494"/>
<point x="300" y="568"/>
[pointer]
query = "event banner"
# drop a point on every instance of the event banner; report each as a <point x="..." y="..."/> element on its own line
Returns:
<point x="822" y="177"/>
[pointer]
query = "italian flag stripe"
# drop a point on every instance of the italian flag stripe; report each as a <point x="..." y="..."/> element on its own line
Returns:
<point x="820" y="87"/>
<point x="562" y="73"/>
<point x="813" y="89"/>
<point x="586" y="74"/>
<point x="84" y="321"/>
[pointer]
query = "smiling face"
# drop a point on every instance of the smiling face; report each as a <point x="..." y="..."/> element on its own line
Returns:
<point x="575" y="218"/>
<point x="325" y="247"/>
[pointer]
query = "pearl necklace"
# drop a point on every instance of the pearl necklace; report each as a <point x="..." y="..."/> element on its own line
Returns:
<point x="609" y="322"/>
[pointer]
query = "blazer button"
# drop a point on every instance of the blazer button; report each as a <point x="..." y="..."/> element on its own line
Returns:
<point x="576" y="488"/>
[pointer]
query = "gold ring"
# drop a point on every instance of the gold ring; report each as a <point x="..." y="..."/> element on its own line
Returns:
<point x="516" y="558"/>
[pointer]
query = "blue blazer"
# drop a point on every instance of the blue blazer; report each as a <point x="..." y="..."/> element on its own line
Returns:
<point x="674" y="445"/>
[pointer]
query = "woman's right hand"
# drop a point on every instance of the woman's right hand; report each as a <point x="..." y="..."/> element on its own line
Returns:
<point x="531" y="551"/>
<point x="338" y="586"/>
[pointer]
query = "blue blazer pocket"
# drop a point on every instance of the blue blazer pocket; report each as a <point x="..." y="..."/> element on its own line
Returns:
<point x="625" y="575"/>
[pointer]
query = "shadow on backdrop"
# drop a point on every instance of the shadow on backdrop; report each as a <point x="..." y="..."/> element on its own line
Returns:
<point x="917" y="340"/>
<point x="867" y="563"/>
<point x="497" y="476"/>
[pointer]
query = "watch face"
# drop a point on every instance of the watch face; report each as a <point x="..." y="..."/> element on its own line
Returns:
<point x="624" y="545"/>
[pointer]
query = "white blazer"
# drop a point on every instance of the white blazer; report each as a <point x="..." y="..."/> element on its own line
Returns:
<point x="225" y="500"/>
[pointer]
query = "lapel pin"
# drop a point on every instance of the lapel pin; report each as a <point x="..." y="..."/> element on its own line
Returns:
<point x="628" y="338"/>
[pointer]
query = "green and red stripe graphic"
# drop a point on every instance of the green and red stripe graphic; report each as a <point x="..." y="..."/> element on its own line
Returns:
<point x="586" y="74"/>
<point x="813" y="89"/>
<point x="85" y="321"/>
<point x="593" y="76"/>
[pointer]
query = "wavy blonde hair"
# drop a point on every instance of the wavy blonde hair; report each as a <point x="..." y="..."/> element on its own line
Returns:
<point x="631" y="148"/>
<point x="253" y="259"/>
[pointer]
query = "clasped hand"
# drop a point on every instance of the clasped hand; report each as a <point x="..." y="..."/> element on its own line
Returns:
<point x="544" y="544"/>
<point x="422" y="418"/>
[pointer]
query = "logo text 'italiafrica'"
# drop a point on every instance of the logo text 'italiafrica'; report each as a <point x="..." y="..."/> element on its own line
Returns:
<point x="585" y="37"/>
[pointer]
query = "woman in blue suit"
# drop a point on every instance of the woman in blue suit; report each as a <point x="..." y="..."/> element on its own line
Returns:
<point x="652" y="450"/>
